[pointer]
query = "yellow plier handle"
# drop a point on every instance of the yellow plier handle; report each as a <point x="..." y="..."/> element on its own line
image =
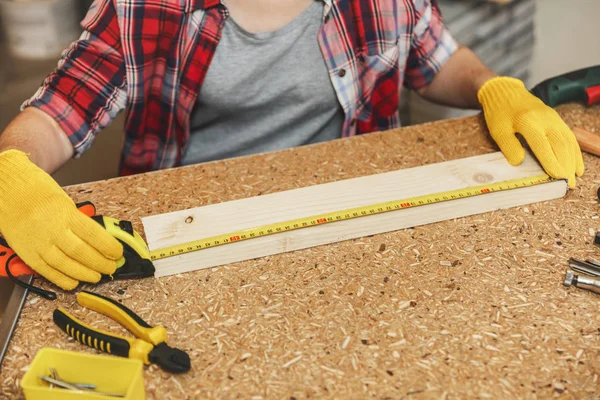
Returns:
<point x="100" y="339"/>
<point x="106" y="341"/>
<point x="123" y="315"/>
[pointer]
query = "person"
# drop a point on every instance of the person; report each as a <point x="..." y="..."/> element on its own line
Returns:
<point x="208" y="79"/>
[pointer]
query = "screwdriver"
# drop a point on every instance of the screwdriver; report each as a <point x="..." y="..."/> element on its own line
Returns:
<point x="582" y="85"/>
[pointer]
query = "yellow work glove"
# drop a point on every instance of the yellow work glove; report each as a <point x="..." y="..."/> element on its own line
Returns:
<point x="509" y="108"/>
<point x="43" y="226"/>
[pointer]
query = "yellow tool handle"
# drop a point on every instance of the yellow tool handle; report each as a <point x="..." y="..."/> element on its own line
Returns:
<point x="130" y="236"/>
<point x="124" y="316"/>
<point x="100" y="339"/>
<point x="343" y="215"/>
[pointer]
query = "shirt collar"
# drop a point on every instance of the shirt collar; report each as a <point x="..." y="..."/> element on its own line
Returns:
<point x="327" y="7"/>
<point x="194" y="5"/>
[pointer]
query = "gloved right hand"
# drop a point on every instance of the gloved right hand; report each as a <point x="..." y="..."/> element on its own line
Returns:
<point x="510" y="108"/>
<point x="43" y="226"/>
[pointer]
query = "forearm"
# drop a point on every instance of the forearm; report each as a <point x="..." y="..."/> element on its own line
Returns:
<point x="458" y="81"/>
<point x="37" y="134"/>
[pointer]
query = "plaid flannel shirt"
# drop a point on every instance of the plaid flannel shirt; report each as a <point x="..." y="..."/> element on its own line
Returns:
<point x="150" y="58"/>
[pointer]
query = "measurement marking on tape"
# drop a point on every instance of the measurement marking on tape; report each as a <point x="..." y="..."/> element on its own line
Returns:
<point x="351" y="213"/>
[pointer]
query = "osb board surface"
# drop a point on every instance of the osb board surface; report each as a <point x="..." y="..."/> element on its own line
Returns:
<point x="472" y="307"/>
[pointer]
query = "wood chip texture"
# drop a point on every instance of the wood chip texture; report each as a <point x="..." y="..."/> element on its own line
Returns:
<point x="466" y="308"/>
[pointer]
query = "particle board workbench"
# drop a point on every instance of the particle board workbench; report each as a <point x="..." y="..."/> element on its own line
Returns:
<point x="472" y="307"/>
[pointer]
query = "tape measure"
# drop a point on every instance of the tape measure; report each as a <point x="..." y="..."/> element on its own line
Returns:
<point x="343" y="215"/>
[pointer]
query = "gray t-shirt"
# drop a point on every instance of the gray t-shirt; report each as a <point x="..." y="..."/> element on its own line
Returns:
<point x="265" y="92"/>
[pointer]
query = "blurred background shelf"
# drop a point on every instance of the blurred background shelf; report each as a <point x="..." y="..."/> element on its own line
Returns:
<point x="20" y="78"/>
<point x="502" y="35"/>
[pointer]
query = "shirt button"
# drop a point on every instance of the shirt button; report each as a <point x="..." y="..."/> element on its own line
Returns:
<point x="342" y="73"/>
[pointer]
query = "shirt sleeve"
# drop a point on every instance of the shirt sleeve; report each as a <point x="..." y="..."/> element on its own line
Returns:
<point x="87" y="90"/>
<point x="431" y="45"/>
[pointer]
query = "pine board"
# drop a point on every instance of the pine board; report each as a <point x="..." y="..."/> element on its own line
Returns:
<point x="175" y="228"/>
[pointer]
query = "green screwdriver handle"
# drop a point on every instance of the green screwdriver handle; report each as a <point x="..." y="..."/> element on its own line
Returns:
<point x="578" y="86"/>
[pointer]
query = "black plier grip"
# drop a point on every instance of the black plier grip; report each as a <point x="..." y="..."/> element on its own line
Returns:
<point x="100" y="339"/>
<point x="149" y="346"/>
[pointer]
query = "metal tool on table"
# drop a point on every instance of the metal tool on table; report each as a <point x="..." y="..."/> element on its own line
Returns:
<point x="135" y="262"/>
<point x="588" y="267"/>
<point x="12" y="313"/>
<point x="582" y="282"/>
<point x="149" y="347"/>
<point x="588" y="278"/>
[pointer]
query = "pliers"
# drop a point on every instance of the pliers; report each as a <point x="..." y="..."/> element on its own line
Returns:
<point x="149" y="347"/>
<point x="135" y="262"/>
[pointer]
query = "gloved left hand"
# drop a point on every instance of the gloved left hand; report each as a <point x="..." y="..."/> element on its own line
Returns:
<point x="42" y="225"/>
<point x="509" y="108"/>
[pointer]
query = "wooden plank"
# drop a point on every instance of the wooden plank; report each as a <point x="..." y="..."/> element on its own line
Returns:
<point x="175" y="227"/>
